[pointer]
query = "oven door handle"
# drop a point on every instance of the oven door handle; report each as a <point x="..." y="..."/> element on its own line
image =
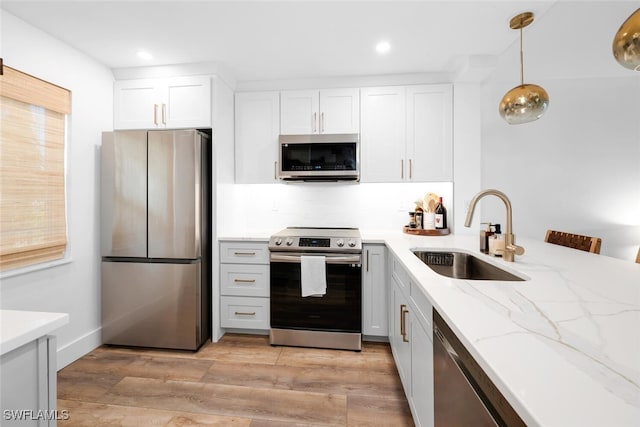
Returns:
<point x="329" y="259"/>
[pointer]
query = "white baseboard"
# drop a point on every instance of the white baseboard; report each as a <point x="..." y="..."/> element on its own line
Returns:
<point x="75" y="350"/>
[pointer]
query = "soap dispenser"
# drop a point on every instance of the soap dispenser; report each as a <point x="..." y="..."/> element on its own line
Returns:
<point x="496" y="242"/>
<point x="484" y="238"/>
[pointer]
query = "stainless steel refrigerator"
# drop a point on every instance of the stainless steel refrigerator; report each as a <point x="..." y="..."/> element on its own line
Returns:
<point x="155" y="215"/>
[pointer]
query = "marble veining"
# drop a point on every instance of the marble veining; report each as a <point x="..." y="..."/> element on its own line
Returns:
<point x="564" y="345"/>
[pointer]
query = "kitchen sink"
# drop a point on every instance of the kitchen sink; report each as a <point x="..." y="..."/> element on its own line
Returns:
<point x="460" y="265"/>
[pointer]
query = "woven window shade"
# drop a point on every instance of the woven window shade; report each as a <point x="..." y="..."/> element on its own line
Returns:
<point x="32" y="187"/>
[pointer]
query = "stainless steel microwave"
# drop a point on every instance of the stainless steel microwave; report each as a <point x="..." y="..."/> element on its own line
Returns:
<point x="325" y="157"/>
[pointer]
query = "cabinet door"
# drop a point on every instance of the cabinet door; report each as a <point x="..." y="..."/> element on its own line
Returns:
<point x="299" y="113"/>
<point x="421" y="374"/>
<point x="187" y="103"/>
<point x="429" y="133"/>
<point x="339" y="111"/>
<point x="257" y="129"/>
<point x="383" y="134"/>
<point x="374" y="291"/>
<point x="399" y="337"/>
<point x="136" y="103"/>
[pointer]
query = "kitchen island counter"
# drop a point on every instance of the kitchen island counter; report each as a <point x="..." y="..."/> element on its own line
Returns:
<point x="562" y="346"/>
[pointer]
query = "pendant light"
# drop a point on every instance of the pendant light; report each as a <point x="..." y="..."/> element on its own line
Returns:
<point x="626" y="43"/>
<point x="526" y="102"/>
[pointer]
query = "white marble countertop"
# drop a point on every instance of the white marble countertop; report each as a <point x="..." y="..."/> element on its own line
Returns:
<point x="562" y="346"/>
<point x="21" y="327"/>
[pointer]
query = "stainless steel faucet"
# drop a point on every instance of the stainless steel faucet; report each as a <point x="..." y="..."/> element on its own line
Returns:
<point x="510" y="247"/>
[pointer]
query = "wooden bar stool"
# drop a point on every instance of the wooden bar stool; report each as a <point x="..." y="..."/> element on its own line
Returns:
<point x="575" y="241"/>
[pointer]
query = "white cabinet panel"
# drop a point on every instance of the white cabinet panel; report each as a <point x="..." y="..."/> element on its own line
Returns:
<point x="407" y="133"/>
<point x="422" y="374"/>
<point x="244" y="280"/>
<point x="299" y="112"/>
<point x="430" y="132"/>
<point x="374" y="291"/>
<point x="244" y="312"/>
<point x="257" y="128"/>
<point x="304" y="112"/>
<point x="180" y="102"/>
<point x="383" y="134"/>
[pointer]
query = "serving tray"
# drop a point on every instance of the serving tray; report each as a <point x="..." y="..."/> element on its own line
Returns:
<point x="422" y="232"/>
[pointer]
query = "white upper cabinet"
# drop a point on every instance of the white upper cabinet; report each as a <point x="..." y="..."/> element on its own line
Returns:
<point x="304" y="112"/>
<point x="257" y="129"/>
<point x="407" y="133"/>
<point x="430" y="132"/>
<point x="382" y="137"/>
<point x="172" y="103"/>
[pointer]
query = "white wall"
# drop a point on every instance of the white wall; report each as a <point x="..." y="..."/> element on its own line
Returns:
<point x="576" y="169"/>
<point x="267" y="208"/>
<point x="74" y="287"/>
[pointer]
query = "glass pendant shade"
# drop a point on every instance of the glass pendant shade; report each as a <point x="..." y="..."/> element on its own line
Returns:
<point x="626" y="43"/>
<point x="524" y="103"/>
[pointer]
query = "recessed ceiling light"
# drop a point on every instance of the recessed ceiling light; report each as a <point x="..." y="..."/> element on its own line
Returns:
<point x="144" y="55"/>
<point x="383" y="47"/>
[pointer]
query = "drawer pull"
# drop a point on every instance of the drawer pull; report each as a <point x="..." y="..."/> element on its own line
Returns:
<point x="243" y="313"/>
<point x="244" y="253"/>
<point x="244" y="280"/>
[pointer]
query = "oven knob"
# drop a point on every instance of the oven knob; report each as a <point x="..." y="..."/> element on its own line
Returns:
<point x="351" y="243"/>
<point x="278" y="241"/>
<point x="340" y="243"/>
<point x="289" y="242"/>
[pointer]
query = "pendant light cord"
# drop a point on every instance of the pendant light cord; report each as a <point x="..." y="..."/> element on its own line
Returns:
<point x="521" y="59"/>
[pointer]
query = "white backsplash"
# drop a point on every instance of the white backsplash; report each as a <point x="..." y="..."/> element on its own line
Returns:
<point x="267" y="208"/>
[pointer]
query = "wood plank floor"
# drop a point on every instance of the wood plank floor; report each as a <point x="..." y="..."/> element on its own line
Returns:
<point x="239" y="381"/>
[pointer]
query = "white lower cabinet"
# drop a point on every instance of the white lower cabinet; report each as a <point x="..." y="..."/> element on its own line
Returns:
<point x="374" y="291"/>
<point x="244" y="285"/>
<point x="29" y="384"/>
<point x="410" y="337"/>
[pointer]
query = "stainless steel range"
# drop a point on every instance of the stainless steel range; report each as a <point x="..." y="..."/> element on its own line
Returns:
<point x="316" y="287"/>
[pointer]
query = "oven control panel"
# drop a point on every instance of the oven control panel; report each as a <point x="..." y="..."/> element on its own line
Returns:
<point x="314" y="242"/>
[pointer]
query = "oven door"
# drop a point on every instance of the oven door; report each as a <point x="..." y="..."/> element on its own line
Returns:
<point x="339" y="310"/>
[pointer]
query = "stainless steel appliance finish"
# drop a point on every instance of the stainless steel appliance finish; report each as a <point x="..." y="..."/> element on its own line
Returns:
<point x="325" y="157"/>
<point x="333" y="320"/>
<point x="156" y="238"/>
<point x="463" y="394"/>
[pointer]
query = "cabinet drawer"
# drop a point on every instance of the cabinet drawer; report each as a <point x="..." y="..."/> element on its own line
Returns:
<point x="244" y="312"/>
<point x="250" y="280"/>
<point x="422" y="308"/>
<point x="400" y="274"/>
<point x="244" y="252"/>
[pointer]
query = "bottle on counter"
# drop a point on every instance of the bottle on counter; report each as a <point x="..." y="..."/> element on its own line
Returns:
<point x="484" y="238"/>
<point x="419" y="223"/>
<point x="441" y="216"/>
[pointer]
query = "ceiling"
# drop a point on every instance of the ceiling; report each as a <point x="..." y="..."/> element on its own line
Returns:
<point x="265" y="40"/>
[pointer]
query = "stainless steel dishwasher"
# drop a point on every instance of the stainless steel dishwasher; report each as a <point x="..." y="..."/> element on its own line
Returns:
<point x="463" y="393"/>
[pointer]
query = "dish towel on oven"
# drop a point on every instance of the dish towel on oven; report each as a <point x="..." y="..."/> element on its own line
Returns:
<point x="313" y="274"/>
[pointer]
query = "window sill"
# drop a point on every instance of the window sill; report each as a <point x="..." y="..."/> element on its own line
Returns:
<point x="33" y="268"/>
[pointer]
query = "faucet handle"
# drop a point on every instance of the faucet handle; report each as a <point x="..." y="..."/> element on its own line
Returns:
<point x="518" y="250"/>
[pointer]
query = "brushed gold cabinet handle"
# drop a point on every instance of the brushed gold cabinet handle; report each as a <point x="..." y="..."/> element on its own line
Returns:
<point x="404" y="323"/>
<point x="244" y="280"/>
<point x="244" y="253"/>
<point x="401" y="169"/>
<point x="155" y="114"/>
<point x="243" y="313"/>
<point x="164" y="114"/>
<point x="402" y="308"/>
<point x="410" y="169"/>
<point x="315" y="117"/>
<point x="275" y="170"/>
<point x="367" y="259"/>
<point x="322" y="122"/>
